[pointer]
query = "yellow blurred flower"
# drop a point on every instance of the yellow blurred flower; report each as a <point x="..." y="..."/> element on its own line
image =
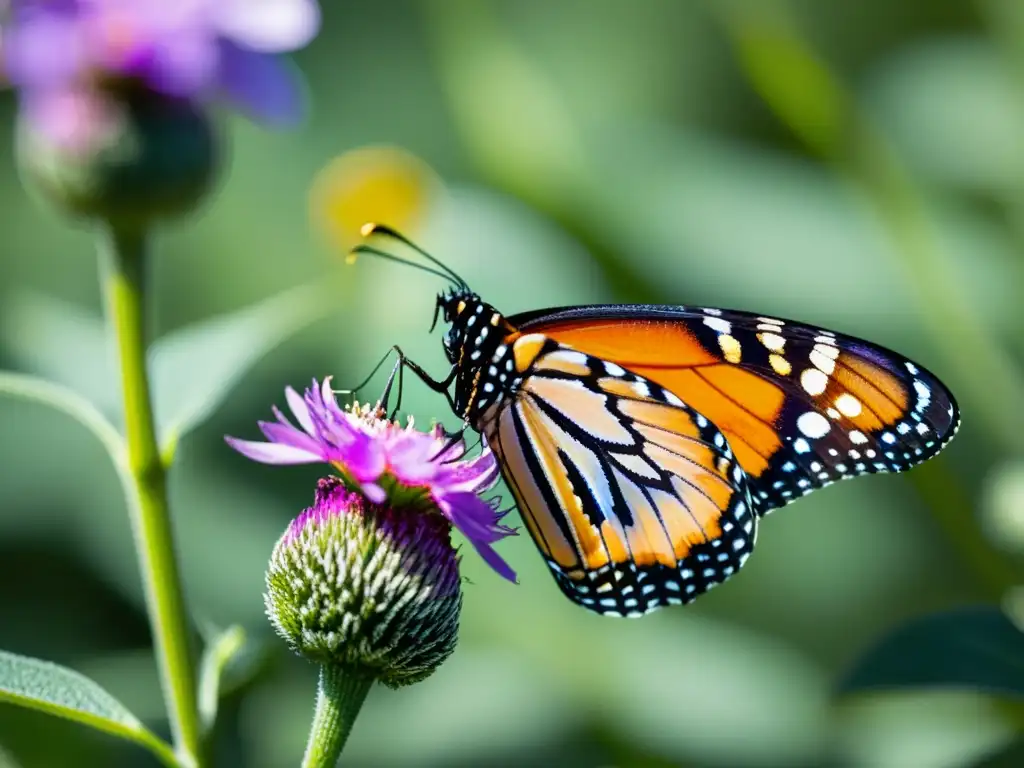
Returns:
<point x="381" y="184"/>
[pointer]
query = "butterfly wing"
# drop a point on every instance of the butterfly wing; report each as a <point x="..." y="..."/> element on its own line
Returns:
<point x="635" y="500"/>
<point x="801" y="407"/>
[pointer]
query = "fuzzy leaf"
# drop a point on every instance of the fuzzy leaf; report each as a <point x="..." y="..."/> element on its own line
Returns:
<point x="976" y="648"/>
<point x="194" y="369"/>
<point x="60" y="691"/>
<point x="218" y="661"/>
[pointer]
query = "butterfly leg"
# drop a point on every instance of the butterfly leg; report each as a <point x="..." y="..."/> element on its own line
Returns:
<point x="438" y="386"/>
<point x="357" y="389"/>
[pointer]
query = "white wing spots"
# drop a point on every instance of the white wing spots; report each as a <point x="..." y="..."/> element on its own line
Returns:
<point x="801" y="446"/>
<point x="712" y="311"/>
<point x="888" y="438"/>
<point x="815" y="466"/>
<point x="789" y="466"/>
<point x="718" y="324"/>
<point x="569" y="356"/>
<point x="903" y="427"/>
<point x="780" y="364"/>
<point x="822" y="339"/>
<point x="912" y="368"/>
<point x="848" y="405"/>
<point x="480" y="337"/>
<point x="813" y="424"/>
<point x="924" y="394"/>
<point x="857" y="437"/>
<point x="614" y="370"/>
<point x="641" y="388"/>
<point x="922" y="428"/>
<point x="823" y="359"/>
<point x="730" y="347"/>
<point x="772" y="341"/>
<point x="672" y="399"/>
<point x="499" y="353"/>
<point x="771" y="321"/>
<point x="813" y="381"/>
<point x="701" y="421"/>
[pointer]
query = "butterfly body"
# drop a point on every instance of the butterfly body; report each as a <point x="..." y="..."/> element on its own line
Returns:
<point x="643" y="443"/>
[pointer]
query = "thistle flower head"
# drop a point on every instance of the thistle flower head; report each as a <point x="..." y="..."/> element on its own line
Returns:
<point x="366" y="586"/>
<point x="388" y="464"/>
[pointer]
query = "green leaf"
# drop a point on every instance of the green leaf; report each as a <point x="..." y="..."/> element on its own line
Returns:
<point x="59" y="691"/>
<point x="63" y="343"/>
<point x="70" y="402"/>
<point x="976" y="648"/>
<point x="218" y="656"/>
<point x="194" y="369"/>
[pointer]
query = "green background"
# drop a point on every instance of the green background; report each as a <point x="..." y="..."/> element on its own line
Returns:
<point x="858" y="166"/>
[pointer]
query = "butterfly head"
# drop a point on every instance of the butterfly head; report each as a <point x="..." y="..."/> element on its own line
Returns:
<point x="469" y="320"/>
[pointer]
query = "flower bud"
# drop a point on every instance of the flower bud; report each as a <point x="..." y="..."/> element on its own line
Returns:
<point x="366" y="587"/>
<point x="123" y="154"/>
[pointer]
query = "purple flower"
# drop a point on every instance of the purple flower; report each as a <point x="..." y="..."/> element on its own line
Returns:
<point x="388" y="463"/>
<point x="59" y="52"/>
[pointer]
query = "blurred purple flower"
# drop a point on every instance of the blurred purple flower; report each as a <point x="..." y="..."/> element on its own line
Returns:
<point x="389" y="463"/>
<point x="57" y="53"/>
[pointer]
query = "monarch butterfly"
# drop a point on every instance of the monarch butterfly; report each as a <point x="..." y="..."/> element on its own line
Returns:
<point x="644" y="443"/>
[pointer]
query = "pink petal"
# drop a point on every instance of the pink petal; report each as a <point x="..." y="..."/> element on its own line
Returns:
<point x="364" y="459"/>
<point x="299" y="409"/>
<point x="409" y="456"/>
<point x="271" y="453"/>
<point x="269" y="26"/>
<point x="475" y="475"/>
<point x="478" y="523"/>
<point x="374" y="493"/>
<point x="286" y="434"/>
<point x="263" y="85"/>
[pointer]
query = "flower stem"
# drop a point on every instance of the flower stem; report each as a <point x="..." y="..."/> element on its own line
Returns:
<point x="340" y="694"/>
<point x="124" y="256"/>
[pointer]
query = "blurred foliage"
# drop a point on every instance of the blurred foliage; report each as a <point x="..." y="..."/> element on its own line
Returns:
<point x="854" y="165"/>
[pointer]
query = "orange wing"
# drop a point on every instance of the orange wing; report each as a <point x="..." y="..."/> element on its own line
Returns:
<point x="634" y="499"/>
<point x="800" y="407"/>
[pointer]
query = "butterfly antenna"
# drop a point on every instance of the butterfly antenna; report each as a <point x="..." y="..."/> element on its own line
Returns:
<point x="361" y="248"/>
<point x="371" y="228"/>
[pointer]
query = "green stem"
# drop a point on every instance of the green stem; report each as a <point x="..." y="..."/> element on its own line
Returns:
<point x="340" y="694"/>
<point x="124" y="254"/>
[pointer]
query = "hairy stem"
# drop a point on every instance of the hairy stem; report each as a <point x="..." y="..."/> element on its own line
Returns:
<point x="124" y="266"/>
<point x="340" y="695"/>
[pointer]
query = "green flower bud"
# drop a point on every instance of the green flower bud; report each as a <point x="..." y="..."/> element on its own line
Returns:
<point x="366" y="587"/>
<point x="136" y="156"/>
